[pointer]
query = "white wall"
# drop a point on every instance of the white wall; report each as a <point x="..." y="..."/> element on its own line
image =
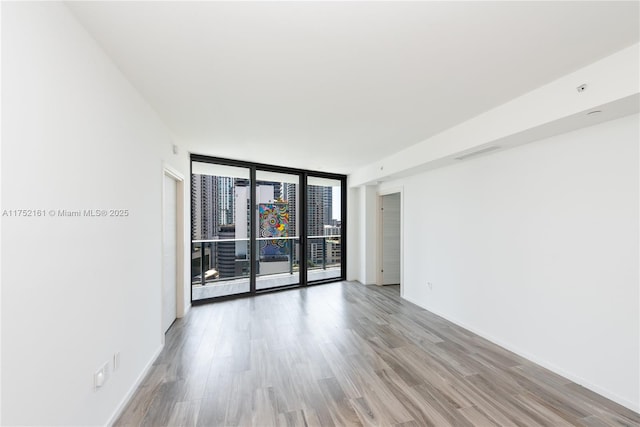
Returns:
<point x="536" y="248"/>
<point x="75" y="135"/>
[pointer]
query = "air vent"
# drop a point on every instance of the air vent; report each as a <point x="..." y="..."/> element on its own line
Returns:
<point x="478" y="152"/>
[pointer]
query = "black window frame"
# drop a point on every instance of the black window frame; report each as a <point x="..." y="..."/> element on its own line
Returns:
<point x="303" y="175"/>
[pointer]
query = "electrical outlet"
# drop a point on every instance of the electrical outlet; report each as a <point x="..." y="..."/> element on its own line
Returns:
<point x="116" y="360"/>
<point x="101" y="376"/>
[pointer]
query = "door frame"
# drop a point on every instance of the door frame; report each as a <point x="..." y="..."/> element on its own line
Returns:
<point x="379" y="230"/>
<point x="181" y="310"/>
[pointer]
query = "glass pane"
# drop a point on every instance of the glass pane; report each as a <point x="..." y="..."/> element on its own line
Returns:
<point x="219" y="230"/>
<point x="277" y="248"/>
<point x="324" y="223"/>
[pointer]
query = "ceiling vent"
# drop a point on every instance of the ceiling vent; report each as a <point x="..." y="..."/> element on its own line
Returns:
<point x="478" y="152"/>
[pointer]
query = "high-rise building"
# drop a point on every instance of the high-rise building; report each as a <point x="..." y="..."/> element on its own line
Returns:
<point x="332" y="244"/>
<point x="225" y="201"/>
<point x="327" y="203"/>
<point x="277" y="189"/>
<point x="290" y="195"/>
<point x="226" y="252"/>
<point x="203" y="194"/>
<point x="213" y="204"/>
<point x="319" y="209"/>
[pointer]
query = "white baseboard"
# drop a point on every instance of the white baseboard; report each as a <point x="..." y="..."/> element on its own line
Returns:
<point x="125" y="400"/>
<point x="634" y="406"/>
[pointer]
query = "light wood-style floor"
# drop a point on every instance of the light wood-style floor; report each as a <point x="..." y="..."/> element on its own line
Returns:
<point x="344" y="354"/>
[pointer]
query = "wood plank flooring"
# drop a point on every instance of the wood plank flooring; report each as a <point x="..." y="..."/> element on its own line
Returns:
<point x="344" y="354"/>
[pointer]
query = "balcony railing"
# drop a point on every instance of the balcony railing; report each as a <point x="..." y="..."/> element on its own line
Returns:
<point x="226" y="263"/>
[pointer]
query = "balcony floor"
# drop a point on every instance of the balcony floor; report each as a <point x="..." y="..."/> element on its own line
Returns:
<point x="237" y="286"/>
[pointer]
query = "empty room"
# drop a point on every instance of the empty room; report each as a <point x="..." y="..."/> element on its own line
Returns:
<point x="320" y="213"/>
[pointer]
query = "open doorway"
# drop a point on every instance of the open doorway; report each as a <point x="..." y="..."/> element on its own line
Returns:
<point x="390" y="242"/>
<point x="172" y="248"/>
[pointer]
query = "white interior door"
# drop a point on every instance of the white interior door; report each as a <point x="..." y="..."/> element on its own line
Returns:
<point x="391" y="239"/>
<point x="169" y="252"/>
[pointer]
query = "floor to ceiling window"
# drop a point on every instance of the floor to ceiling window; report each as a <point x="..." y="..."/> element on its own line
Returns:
<point x="220" y="211"/>
<point x="277" y="243"/>
<point x="258" y="227"/>
<point x="324" y="225"/>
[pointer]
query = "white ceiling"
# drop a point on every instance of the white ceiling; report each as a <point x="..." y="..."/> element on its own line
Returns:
<point x="336" y="85"/>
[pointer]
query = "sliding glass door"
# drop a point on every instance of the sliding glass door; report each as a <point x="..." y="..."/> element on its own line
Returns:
<point x="324" y="229"/>
<point x="257" y="227"/>
<point x="278" y="244"/>
<point x="220" y="230"/>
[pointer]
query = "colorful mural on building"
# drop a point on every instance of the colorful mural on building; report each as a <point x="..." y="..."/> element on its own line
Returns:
<point x="274" y="222"/>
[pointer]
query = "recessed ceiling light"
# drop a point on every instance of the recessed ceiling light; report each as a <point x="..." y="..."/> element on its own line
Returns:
<point x="594" y="112"/>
